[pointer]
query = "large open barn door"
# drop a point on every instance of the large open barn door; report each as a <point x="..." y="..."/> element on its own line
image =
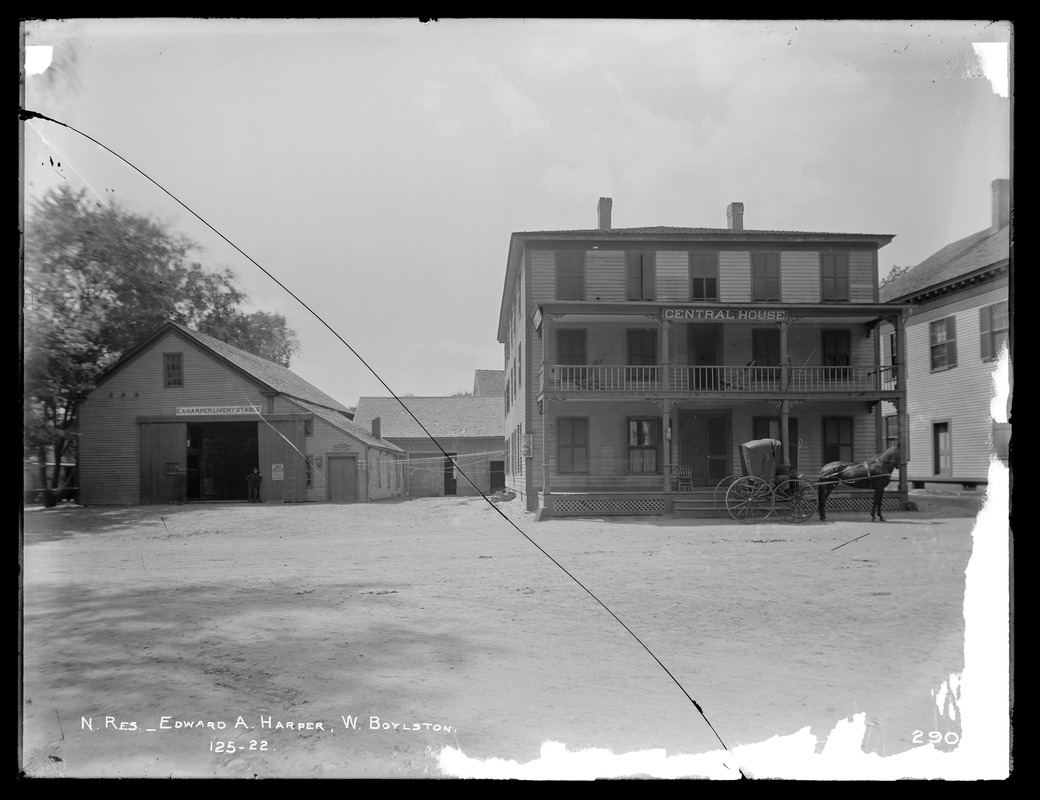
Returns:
<point x="164" y="462"/>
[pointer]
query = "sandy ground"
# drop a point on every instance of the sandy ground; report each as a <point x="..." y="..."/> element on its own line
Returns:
<point x="432" y="638"/>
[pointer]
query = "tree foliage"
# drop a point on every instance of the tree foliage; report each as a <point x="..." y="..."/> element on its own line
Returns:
<point x="98" y="279"/>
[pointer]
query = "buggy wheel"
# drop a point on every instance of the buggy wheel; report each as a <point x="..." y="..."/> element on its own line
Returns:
<point x="796" y="499"/>
<point x="749" y="500"/>
<point x="721" y="489"/>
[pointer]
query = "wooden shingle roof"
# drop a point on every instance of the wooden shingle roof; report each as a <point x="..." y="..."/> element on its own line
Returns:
<point x="489" y="383"/>
<point x="444" y="417"/>
<point x="980" y="252"/>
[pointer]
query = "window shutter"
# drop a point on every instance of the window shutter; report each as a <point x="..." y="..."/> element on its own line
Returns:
<point x="985" y="330"/>
<point x="951" y="341"/>
<point x="635" y="276"/>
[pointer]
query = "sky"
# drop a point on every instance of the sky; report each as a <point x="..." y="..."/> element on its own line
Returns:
<point x="376" y="168"/>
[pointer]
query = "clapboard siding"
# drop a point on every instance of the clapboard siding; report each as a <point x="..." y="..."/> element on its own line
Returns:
<point x="863" y="277"/>
<point x="734" y="276"/>
<point x="605" y="275"/>
<point x="673" y="276"/>
<point x="800" y="276"/>
<point x="960" y="396"/>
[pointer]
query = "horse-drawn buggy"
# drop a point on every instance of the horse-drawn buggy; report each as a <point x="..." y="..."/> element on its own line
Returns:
<point x="764" y="489"/>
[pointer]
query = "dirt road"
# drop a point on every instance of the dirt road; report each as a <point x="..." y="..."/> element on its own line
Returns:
<point x="429" y="637"/>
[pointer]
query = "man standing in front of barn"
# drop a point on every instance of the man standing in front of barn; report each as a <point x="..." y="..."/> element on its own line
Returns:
<point x="253" y="480"/>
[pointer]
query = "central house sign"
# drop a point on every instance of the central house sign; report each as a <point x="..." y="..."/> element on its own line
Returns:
<point x="727" y="314"/>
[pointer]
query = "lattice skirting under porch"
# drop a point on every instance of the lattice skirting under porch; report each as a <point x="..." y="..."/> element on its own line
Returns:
<point x="594" y="506"/>
<point x="861" y="501"/>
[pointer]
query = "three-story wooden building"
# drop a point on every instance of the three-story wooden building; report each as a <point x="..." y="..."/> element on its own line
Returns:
<point x="631" y="352"/>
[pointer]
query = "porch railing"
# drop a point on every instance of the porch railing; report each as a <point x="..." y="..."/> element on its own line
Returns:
<point x="748" y="378"/>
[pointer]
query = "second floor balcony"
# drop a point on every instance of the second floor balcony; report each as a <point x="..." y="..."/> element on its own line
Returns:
<point x="748" y="379"/>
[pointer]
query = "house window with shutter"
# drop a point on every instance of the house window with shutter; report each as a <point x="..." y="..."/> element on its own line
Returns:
<point x="570" y="275"/>
<point x="943" y="338"/>
<point x="704" y="276"/>
<point x="993" y="326"/>
<point x="572" y="448"/>
<point x="837" y="439"/>
<point x="834" y="276"/>
<point x="640" y="275"/>
<point x="765" y="276"/>
<point x="173" y="370"/>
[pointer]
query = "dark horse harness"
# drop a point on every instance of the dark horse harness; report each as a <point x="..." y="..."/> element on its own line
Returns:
<point x="876" y="477"/>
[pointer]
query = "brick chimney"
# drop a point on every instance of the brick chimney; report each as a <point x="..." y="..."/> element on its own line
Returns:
<point x="735" y="216"/>
<point x="376" y="428"/>
<point x="603" y="208"/>
<point x="1001" y="203"/>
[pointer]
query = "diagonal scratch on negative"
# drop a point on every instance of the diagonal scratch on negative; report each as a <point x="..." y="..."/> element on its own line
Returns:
<point x="26" y="114"/>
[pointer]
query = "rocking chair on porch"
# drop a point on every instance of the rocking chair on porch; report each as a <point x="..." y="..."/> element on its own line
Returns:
<point x="684" y="479"/>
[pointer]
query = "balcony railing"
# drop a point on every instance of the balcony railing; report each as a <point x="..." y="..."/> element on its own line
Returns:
<point x="748" y="378"/>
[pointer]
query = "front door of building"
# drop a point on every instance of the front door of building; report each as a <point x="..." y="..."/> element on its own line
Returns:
<point x="343" y="478"/>
<point x="705" y="445"/>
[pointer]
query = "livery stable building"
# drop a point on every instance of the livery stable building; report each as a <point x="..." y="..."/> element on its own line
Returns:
<point x="185" y="417"/>
<point x="638" y="360"/>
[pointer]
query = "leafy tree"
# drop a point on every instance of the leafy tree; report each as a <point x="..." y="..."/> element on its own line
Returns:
<point x="98" y="279"/>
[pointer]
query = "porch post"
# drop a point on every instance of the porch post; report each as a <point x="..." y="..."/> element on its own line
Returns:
<point x="544" y="407"/>
<point x="785" y="377"/>
<point x="666" y="444"/>
<point x="902" y="413"/>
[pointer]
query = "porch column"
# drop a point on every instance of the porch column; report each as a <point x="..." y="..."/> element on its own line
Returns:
<point x="902" y="412"/>
<point x="785" y="377"/>
<point x="666" y="444"/>
<point x="544" y="408"/>
<point x="665" y="358"/>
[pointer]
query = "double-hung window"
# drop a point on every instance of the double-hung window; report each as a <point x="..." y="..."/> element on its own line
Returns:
<point x="993" y="328"/>
<point x="644" y="445"/>
<point x="837" y="439"/>
<point x="173" y="369"/>
<point x="943" y="338"/>
<point x="704" y="275"/>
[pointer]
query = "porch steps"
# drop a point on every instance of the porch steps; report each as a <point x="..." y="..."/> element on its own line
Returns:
<point x="699" y="503"/>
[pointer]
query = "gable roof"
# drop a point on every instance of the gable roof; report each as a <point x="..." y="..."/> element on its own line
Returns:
<point x="337" y="420"/>
<point x="489" y="383"/>
<point x="443" y="417"/>
<point x="979" y="253"/>
<point x="275" y="376"/>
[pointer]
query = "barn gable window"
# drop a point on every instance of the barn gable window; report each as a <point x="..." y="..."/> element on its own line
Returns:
<point x="173" y="369"/>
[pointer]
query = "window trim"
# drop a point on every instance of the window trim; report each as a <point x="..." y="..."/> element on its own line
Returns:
<point x="560" y="446"/>
<point x="180" y="370"/>
<point x="949" y="344"/>
<point x="656" y="448"/>
<point x="577" y="259"/>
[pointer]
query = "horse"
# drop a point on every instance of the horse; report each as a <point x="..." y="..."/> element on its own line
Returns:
<point x="875" y="474"/>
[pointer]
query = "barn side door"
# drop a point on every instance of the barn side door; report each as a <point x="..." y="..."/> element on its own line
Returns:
<point x="164" y="462"/>
<point x="281" y="444"/>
